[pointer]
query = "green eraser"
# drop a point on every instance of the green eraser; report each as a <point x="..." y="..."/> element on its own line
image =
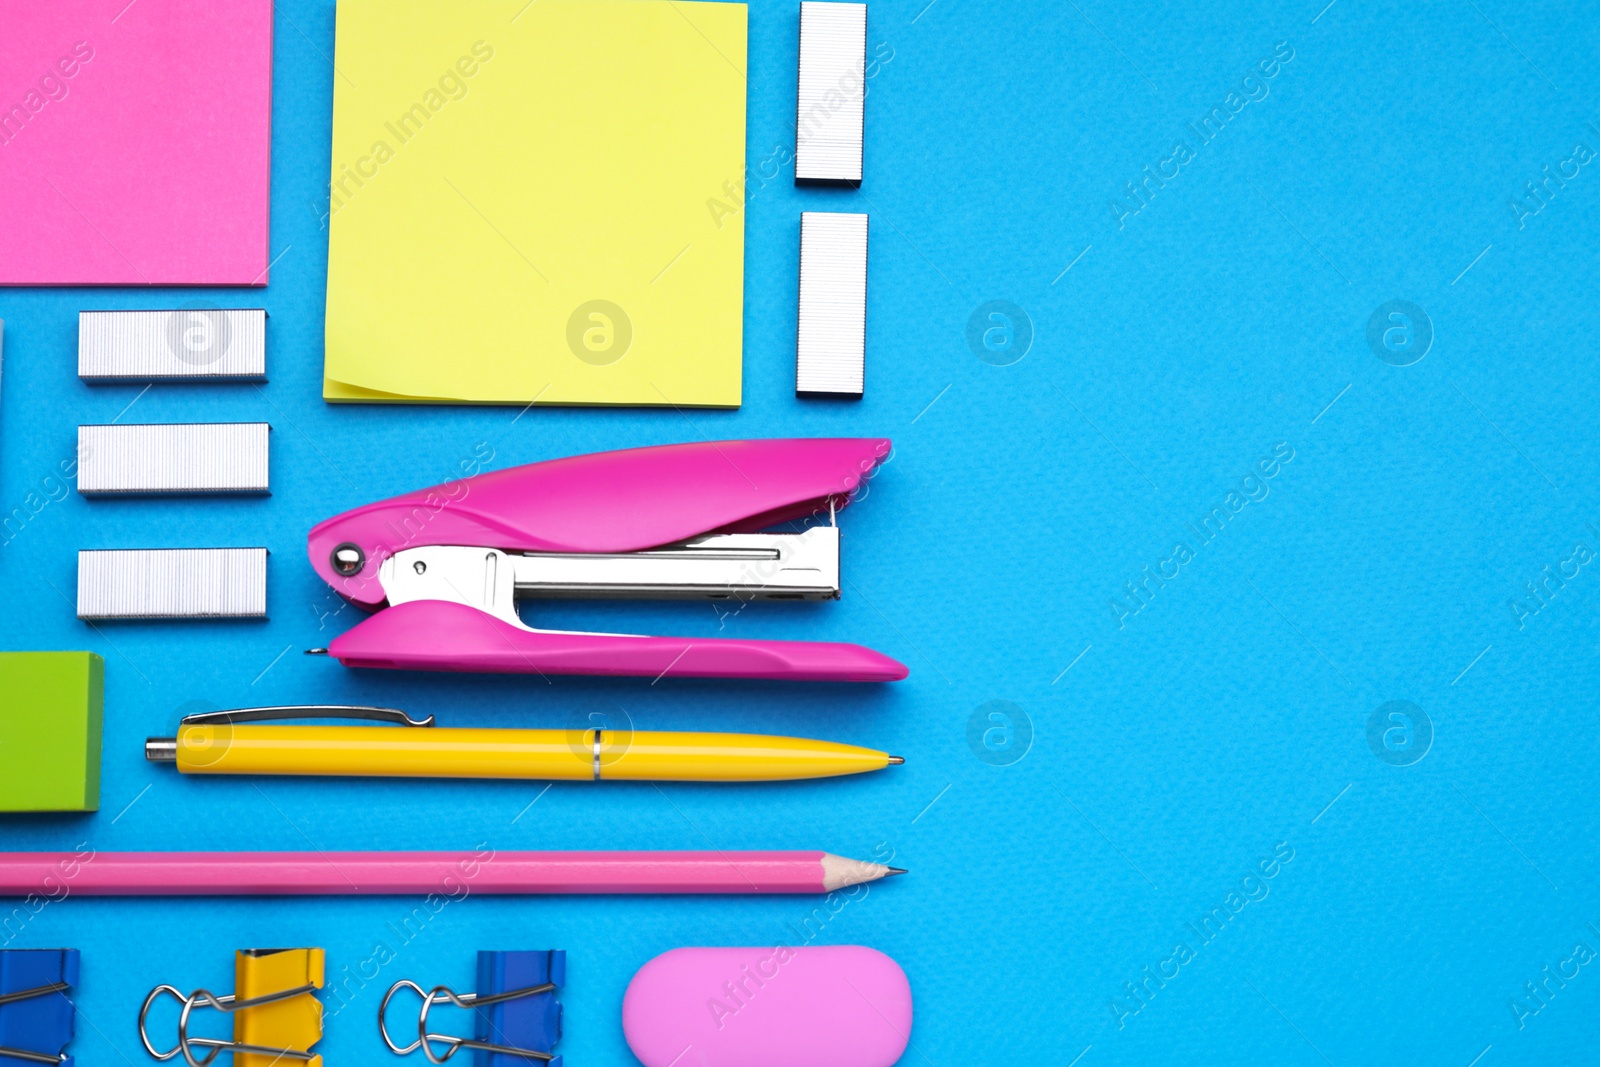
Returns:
<point x="50" y="709"/>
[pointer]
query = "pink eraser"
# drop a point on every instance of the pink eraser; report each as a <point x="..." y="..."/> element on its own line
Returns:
<point x="842" y="1005"/>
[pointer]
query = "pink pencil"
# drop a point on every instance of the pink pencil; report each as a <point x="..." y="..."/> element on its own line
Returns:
<point x="455" y="874"/>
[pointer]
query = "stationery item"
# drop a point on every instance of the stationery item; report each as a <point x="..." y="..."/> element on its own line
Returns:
<point x="276" y="1014"/>
<point x="50" y="718"/>
<point x="36" y="1013"/>
<point x="136" y="142"/>
<point x="833" y="91"/>
<point x="843" y="1005"/>
<point x="228" y="742"/>
<point x="172" y="583"/>
<point x="668" y="521"/>
<point x="832" y="350"/>
<point x="183" y="344"/>
<point x="537" y="203"/>
<point x="182" y="458"/>
<point x="201" y="874"/>
<point x="516" y="1016"/>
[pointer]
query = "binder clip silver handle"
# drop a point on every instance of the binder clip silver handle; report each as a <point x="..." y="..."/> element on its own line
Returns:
<point x="229" y="1003"/>
<point x="29" y="994"/>
<point x="437" y="995"/>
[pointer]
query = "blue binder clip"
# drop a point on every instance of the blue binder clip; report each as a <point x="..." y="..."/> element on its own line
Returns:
<point x="517" y="1019"/>
<point x="35" y="1014"/>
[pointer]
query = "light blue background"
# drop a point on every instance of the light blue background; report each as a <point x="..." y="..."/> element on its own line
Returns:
<point x="1180" y="748"/>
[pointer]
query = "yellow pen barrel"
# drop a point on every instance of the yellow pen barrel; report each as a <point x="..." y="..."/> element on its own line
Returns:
<point x="644" y="755"/>
<point x="377" y="751"/>
<point x="558" y="755"/>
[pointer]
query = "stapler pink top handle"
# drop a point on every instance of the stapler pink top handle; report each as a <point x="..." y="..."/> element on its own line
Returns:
<point x="444" y="566"/>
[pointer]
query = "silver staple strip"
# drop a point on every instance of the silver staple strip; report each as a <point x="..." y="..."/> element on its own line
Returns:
<point x="172" y="583"/>
<point x="157" y="459"/>
<point x="199" y="344"/>
<point x="831" y="359"/>
<point x="833" y="92"/>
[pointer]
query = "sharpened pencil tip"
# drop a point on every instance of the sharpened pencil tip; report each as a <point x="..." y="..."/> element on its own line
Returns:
<point x="895" y="761"/>
<point x="896" y="870"/>
<point x="316" y="652"/>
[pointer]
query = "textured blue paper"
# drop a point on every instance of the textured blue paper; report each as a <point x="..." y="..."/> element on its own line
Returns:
<point x="1173" y="749"/>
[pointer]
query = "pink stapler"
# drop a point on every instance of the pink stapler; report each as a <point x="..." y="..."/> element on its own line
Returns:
<point x="444" y="566"/>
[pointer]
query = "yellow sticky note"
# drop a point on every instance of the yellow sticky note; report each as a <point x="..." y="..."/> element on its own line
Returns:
<point x="537" y="202"/>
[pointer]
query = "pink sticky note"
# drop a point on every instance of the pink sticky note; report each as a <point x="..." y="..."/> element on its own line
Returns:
<point x="134" y="141"/>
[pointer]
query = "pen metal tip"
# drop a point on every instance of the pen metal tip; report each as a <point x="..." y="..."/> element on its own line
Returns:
<point x="896" y="870"/>
<point x="895" y="761"/>
<point x="316" y="652"/>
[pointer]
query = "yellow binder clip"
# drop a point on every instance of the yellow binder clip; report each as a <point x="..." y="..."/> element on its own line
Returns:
<point x="276" y="1015"/>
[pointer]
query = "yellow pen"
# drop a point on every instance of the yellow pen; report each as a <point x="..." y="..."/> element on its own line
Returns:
<point x="232" y="742"/>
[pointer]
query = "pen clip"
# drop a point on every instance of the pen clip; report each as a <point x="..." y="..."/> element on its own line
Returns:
<point x="392" y="716"/>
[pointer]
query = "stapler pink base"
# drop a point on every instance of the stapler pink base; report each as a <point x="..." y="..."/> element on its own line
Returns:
<point x="445" y="566"/>
<point x="440" y="636"/>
